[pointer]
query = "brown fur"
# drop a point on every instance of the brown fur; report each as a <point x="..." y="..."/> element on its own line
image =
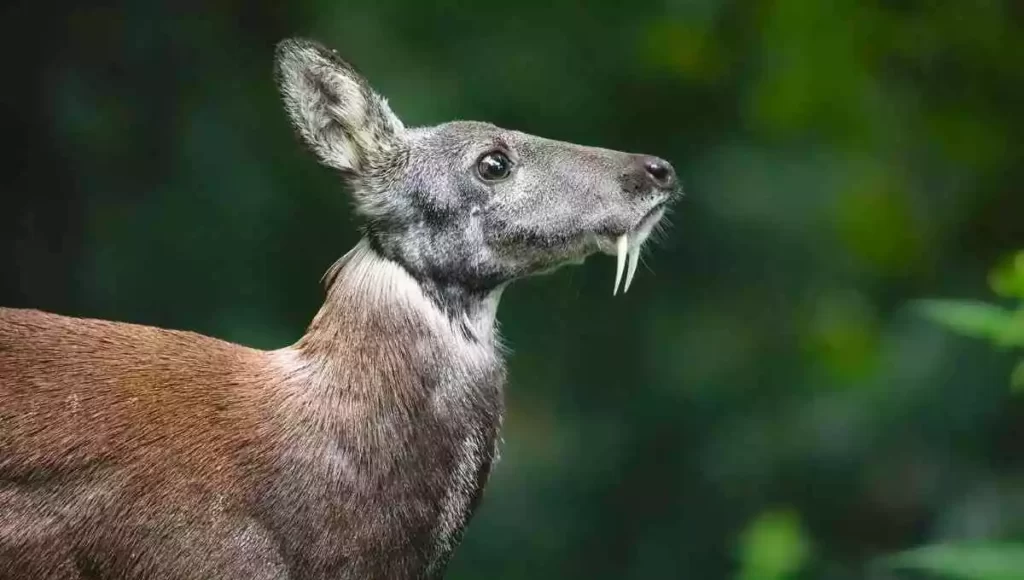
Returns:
<point x="128" y="451"/>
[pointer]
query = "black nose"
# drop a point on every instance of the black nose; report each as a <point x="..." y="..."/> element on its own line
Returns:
<point x="660" y="172"/>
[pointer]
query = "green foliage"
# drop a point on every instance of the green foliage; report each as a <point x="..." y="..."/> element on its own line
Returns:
<point x="1003" y="327"/>
<point x="965" y="562"/>
<point x="1017" y="378"/>
<point x="773" y="547"/>
<point x="977" y="319"/>
<point x="1007" y="279"/>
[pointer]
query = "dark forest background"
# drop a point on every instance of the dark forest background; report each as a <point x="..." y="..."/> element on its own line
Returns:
<point x="765" y="403"/>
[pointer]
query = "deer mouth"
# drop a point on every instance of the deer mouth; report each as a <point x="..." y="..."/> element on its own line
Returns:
<point x="628" y="245"/>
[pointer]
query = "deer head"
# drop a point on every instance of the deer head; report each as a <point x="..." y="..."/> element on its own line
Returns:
<point x="466" y="206"/>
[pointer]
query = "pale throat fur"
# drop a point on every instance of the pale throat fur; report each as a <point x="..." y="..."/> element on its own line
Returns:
<point x="398" y="389"/>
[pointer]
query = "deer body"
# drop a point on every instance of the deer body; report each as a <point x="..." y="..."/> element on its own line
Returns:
<point x="148" y="430"/>
<point x="130" y="452"/>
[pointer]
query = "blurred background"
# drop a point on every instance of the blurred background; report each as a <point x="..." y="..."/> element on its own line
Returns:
<point x="765" y="403"/>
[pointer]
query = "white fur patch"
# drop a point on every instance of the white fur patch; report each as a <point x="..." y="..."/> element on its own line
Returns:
<point x="385" y="284"/>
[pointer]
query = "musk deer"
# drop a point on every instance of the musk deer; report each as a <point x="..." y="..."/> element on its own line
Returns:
<point x="361" y="451"/>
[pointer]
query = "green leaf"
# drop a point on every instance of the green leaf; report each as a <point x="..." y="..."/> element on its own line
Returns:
<point x="1007" y="279"/>
<point x="773" y="547"/>
<point x="972" y="318"/>
<point x="965" y="562"/>
<point x="1017" y="378"/>
<point x="1014" y="335"/>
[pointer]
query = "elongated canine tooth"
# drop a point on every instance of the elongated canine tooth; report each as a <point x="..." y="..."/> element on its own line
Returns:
<point x="621" y="247"/>
<point x="634" y="259"/>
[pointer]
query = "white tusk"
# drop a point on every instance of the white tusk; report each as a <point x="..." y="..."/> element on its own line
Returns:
<point x="621" y="247"/>
<point x="634" y="259"/>
<point x="636" y="240"/>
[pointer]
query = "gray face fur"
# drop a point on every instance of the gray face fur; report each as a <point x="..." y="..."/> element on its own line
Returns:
<point x="429" y="206"/>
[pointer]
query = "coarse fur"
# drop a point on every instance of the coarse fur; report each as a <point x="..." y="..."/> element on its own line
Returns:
<point x="361" y="451"/>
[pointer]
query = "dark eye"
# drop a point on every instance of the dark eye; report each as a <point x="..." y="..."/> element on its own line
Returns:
<point x="494" y="166"/>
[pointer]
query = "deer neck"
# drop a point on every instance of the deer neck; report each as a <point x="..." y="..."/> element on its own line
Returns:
<point x="381" y="330"/>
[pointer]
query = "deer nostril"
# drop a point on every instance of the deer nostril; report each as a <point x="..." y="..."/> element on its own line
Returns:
<point x="661" y="172"/>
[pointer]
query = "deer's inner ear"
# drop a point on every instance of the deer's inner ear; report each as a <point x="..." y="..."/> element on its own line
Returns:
<point x="342" y="120"/>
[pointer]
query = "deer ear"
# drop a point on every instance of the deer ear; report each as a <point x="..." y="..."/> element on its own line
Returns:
<point x="342" y="120"/>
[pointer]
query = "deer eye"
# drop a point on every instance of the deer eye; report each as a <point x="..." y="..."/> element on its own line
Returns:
<point x="494" y="166"/>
